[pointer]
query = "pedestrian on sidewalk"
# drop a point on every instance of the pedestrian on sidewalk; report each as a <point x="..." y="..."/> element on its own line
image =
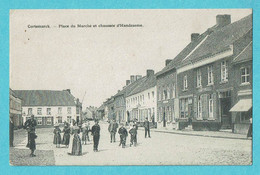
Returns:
<point x="147" y="127"/>
<point x="76" y="144"/>
<point x="133" y="133"/>
<point x="66" y="135"/>
<point x="112" y="128"/>
<point x="32" y="143"/>
<point x="30" y="124"/>
<point x="11" y="132"/>
<point x="96" y="135"/>
<point x="123" y="134"/>
<point x="249" y="133"/>
<point x="57" y="136"/>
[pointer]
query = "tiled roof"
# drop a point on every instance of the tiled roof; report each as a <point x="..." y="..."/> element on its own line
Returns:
<point x="128" y="89"/>
<point x="214" y="40"/>
<point x="221" y="38"/>
<point x="12" y="93"/>
<point x="144" y="84"/>
<point x="45" y="98"/>
<point x="244" y="55"/>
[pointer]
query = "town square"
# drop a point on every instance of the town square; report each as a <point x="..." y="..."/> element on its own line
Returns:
<point x="171" y="88"/>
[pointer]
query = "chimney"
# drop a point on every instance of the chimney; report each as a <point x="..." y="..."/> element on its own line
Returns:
<point x="127" y="82"/>
<point x="223" y="20"/>
<point x="194" y="36"/>
<point x="67" y="90"/>
<point x="149" y="72"/>
<point x="138" y="77"/>
<point x="167" y="61"/>
<point x="132" y="78"/>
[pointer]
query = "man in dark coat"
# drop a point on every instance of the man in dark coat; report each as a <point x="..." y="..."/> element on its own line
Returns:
<point x="11" y="132"/>
<point x="123" y="134"/>
<point x="147" y="127"/>
<point x="30" y="124"/>
<point x="96" y="135"/>
<point x="32" y="143"/>
<point x="112" y="128"/>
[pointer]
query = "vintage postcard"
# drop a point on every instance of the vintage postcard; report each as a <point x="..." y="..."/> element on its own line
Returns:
<point x="131" y="87"/>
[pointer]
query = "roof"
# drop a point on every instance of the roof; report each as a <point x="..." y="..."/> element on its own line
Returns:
<point x="11" y="92"/>
<point x="244" y="55"/>
<point x="128" y="89"/>
<point x="45" y="98"/>
<point x="220" y="39"/>
<point x="216" y="39"/>
<point x="144" y="84"/>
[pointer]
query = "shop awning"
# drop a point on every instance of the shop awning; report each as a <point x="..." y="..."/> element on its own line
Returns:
<point x="242" y="105"/>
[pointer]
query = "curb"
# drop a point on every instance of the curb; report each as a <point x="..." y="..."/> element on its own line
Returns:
<point x="201" y="135"/>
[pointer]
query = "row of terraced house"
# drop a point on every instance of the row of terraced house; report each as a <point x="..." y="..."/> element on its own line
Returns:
<point x="207" y="86"/>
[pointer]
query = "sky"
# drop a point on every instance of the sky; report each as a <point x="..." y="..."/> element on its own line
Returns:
<point x="97" y="61"/>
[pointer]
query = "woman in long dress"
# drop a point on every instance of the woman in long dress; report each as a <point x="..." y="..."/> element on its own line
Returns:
<point x="66" y="135"/>
<point x="57" y="136"/>
<point x="76" y="145"/>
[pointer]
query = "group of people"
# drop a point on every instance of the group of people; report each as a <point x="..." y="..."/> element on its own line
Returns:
<point x="123" y="133"/>
<point x="77" y="141"/>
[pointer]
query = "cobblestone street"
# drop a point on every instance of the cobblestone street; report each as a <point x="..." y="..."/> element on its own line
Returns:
<point x="160" y="149"/>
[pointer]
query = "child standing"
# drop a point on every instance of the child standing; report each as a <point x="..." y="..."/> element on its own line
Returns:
<point x="123" y="134"/>
<point x="84" y="133"/>
<point x="57" y="137"/>
<point x="133" y="133"/>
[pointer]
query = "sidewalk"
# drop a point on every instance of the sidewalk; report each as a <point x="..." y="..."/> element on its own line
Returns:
<point x="214" y="134"/>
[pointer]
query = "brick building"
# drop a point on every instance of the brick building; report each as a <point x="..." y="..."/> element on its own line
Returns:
<point x="205" y="77"/>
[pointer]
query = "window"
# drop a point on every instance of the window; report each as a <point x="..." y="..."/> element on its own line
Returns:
<point x="199" y="108"/>
<point x="59" y="110"/>
<point x="168" y="92"/>
<point x="245" y="75"/>
<point x="29" y="111"/>
<point x="159" y="94"/>
<point x="149" y="96"/>
<point x="59" y="119"/>
<point x="69" y="119"/>
<point x="39" y="111"/>
<point x="210" y="75"/>
<point x="210" y="106"/>
<point x="49" y="121"/>
<point x="39" y="120"/>
<point x="198" y="78"/>
<point x="224" y="71"/>
<point x="48" y="111"/>
<point x="153" y="94"/>
<point x="69" y="110"/>
<point x="164" y="94"/>
<point x="185" y="83"/>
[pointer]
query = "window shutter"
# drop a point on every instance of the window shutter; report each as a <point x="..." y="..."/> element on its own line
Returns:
<point x="214" y="97"/>
<point x="195" y="107"/>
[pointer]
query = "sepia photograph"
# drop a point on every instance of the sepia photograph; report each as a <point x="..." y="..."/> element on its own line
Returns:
<point x="130" y="87"/>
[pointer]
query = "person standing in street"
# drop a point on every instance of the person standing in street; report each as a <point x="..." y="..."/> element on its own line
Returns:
<point x="57" y="136"/>
<point x="76" y="144"/>
<point x="96" y="135"/>
<point x="32" y="143"/>
<point x="66" y="135"/>
<point x="123" y="134"/>
<point x="112" y="128"/>
<point x="30" y="124"/>
<point x="11" y="132"/>
<point x="84" y="133"/>
<point x="133" y="133"/>
<point x="147" y="127"/>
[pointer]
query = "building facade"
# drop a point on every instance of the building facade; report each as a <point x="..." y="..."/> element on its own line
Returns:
<point x="141" y="102"/>
<point x="15" y="109"/>
<point x="206" y="88"/>
<point x="49" y="107"/>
